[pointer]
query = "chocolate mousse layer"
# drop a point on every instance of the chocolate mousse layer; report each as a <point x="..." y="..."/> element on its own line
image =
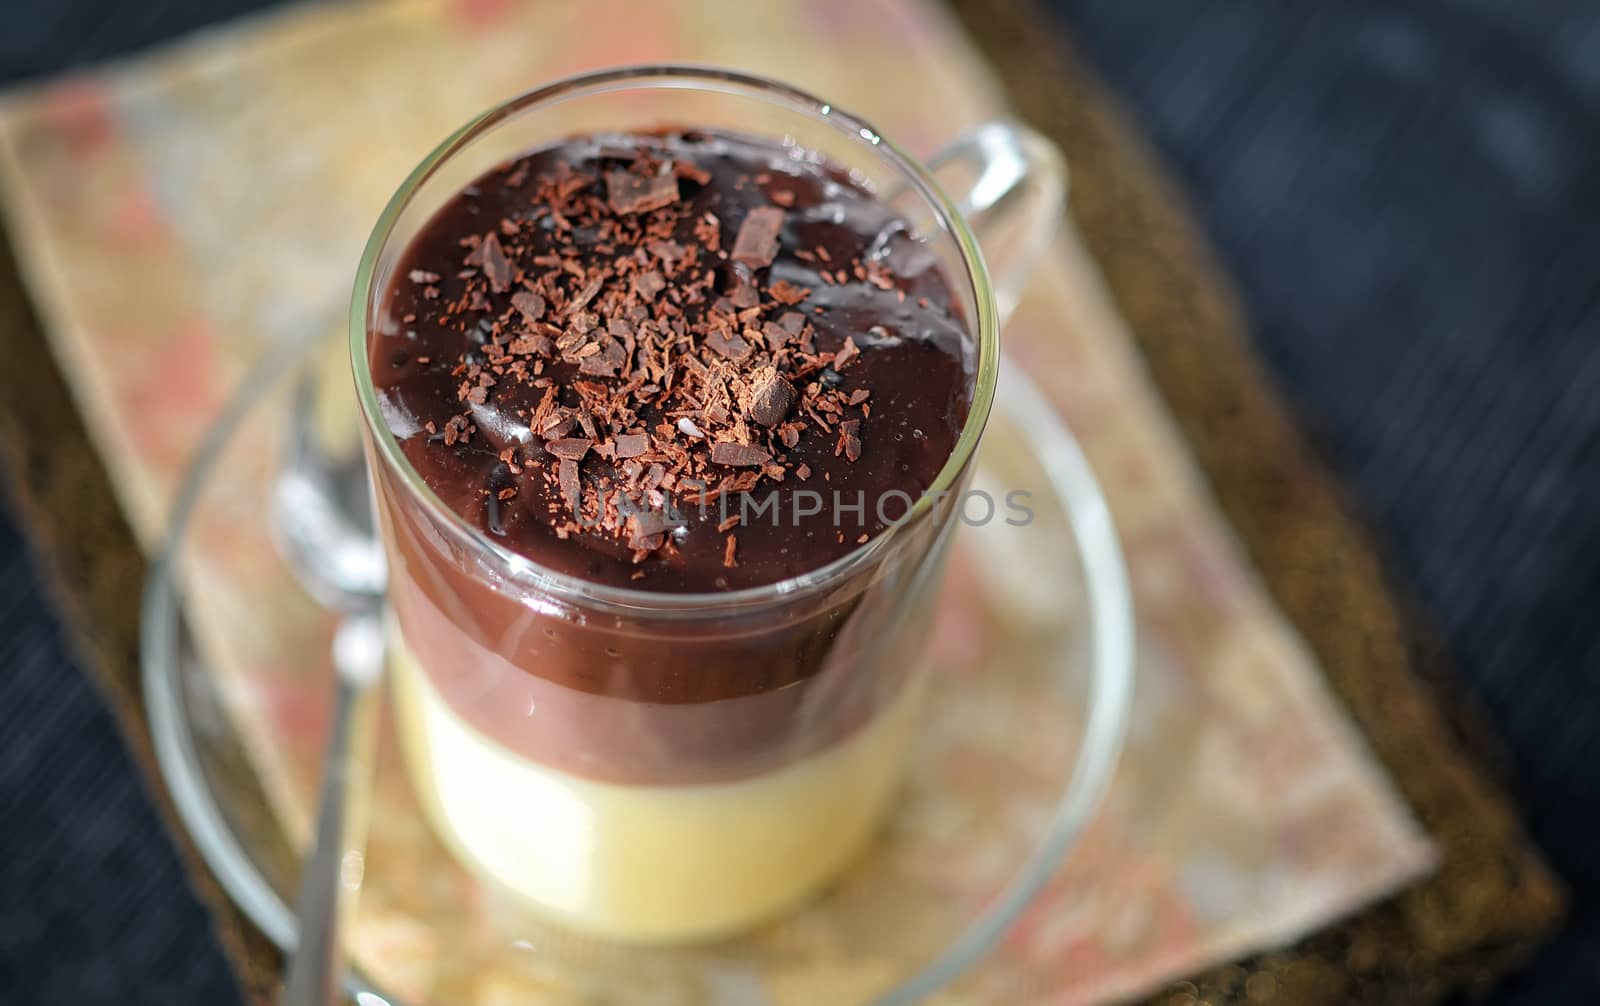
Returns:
<point x="676" y="362"/>
<point x="681" y="362"/>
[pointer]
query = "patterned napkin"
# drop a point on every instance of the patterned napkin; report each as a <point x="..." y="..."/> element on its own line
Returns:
<point x="178" y="214"/>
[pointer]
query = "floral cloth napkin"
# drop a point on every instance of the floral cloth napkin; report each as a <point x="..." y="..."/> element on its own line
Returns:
<point x="179" y="213"/>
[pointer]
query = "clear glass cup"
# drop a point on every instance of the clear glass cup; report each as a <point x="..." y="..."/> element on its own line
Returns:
<point x="665" y="767"/>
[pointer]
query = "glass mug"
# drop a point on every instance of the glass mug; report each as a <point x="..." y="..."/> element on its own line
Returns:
<point x="666" y="767"/>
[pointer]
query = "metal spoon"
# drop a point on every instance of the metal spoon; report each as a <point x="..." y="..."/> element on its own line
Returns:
<point x="322" y="523"/>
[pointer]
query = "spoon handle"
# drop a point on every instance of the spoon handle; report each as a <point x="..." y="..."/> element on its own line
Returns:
<point x="332" y="874"/>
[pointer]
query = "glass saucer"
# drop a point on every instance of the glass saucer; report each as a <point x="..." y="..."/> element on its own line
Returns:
<point x="1029" y="696"/>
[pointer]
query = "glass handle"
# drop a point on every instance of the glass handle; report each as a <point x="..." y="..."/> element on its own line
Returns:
<point x="1010" y="182"/>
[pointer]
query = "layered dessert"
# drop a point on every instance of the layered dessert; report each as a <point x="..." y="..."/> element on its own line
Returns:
<point x="677" y="364"/>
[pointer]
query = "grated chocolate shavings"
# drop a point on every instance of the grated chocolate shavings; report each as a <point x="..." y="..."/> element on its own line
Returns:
<point x="664" y="369"/>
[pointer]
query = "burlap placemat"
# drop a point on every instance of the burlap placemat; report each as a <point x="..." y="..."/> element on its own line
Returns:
<point x="1490" y="899"/>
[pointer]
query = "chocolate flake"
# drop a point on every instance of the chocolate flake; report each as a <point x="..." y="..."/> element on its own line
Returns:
<point x="492" y="258"/>
<point x="774" y="335"/>
<point x="573" y="448"/>
<point x="849" y="352"/>
<point x="729" y="552"/>
<point x="727" y="345"/>
<point x="738" y="455"/>
<point x="567" y="475"/>
<point x="785" y="292"/>
<point x="849" y="440"/>
<point x="745" y="295"/>
<point x="670" y="252"/>
<point x="648" y="284"/>
<point x="632" y="445"/>
<point x="757" y="242"/>
<point x="631" y="193"/>
<point x="529" y="304"/>
<point x="645" y="529"/>
<point x="531" y="345"/>
<point x="771" y="397"/>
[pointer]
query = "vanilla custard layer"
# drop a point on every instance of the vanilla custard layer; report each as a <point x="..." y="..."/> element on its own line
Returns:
<point x="648" y="863"/>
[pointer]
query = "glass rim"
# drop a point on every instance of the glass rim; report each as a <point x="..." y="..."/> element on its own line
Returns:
<point x="713" y="80"/>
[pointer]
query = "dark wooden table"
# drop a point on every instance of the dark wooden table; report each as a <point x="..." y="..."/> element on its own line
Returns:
<point x="1406" y="195"/>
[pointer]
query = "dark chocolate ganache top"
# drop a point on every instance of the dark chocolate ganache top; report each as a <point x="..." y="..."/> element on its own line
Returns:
<point x="680" y="361"/>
